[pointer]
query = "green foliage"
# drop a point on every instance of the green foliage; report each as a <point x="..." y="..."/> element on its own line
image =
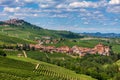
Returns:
<point x="13" y="53"/>
<point x="2" y="53"/>
<point x="97" y="66"/>
<point x="116" y="48"/>
<point x="117" y="77"/>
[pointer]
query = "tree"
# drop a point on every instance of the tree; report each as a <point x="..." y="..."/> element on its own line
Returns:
<point x="2" y="53"/>
<point x="26" y="47"/>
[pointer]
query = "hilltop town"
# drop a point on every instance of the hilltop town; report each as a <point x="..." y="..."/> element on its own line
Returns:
<point x="12" y="21"/>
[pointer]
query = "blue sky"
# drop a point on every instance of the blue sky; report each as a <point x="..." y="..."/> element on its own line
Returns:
<point x="71" y="15"/>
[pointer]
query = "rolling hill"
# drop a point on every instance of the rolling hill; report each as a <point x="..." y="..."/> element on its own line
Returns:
<point x="5" y="39"/>
<point x="14" y="68"/>
<point x="46" y="66"/>
<point x="22" y="29"/>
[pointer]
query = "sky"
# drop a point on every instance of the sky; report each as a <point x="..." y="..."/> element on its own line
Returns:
<point x="71" y="15"/>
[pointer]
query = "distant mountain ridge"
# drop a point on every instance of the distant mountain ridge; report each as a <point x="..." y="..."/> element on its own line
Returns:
<point x="104" y="35"/>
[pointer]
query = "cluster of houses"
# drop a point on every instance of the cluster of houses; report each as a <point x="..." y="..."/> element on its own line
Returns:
<point x="13" y="21"/>
<point x="75" y="50"/>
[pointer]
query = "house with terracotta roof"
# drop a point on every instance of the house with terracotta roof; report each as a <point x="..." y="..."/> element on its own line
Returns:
<point x="98" y="49"/>
<point x="75" y="50"/>
<point x="102" y="50"/>
<point x="63" y="49"/>
<point x="50" y="49"/>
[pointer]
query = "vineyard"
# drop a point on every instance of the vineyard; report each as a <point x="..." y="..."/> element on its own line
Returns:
<point x="6" y="39"/>
<point x="43" y="56"/>
<point x="78" y="42"/>
<point x="59" y="73"/>
<point x="24" y="69"/>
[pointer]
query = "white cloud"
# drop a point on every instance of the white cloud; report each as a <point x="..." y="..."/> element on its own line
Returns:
<point x="113" y="9"/>
<point x="113" y="2"/>
<point x="50" y="10"/>
<point x="28" y="1"/>
<point x="83" y="10"/>
<point x="38" y="1"/>
<point x="9" y="9"/>
<point x="44" y="5"/>
<point x="16" y="0"/>
<point x="83" y="18"/>
<point x="83" y="4"/>
<point x="3" y="14"/>
<point x="97" y="12"/>
<point x="2" y="1"/>
<point x="59" y="15"/>
<point x="35" y="15"/>
<point x="86" y="23"/>
<point x="61" y="6"/>
<point x="25" y="15"/>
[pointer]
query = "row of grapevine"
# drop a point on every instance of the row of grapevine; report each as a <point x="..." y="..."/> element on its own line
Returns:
<point x="11" y="63"/>
<point x="5" y="76"/>
<point x="21" y="70"/>
<point x="56" y="72"/>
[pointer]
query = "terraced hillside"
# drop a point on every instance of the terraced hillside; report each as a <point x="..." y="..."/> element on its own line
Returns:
<point x="25" y="68"/>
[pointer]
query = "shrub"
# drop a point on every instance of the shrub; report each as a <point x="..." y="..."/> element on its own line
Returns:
<point x="2" y="53"/>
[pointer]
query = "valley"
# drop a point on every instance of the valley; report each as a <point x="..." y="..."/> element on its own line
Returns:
<point x="29" y="52"/>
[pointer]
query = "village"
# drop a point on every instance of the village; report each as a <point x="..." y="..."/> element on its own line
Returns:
<point x="75" y="50"/>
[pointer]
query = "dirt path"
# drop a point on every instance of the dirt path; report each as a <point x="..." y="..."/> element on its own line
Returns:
<point x="37" y="66"/>
<point x="24" y="54"/>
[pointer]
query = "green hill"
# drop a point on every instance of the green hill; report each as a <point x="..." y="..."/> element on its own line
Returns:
<point x="14" y="68"/>
<point x="25" y="30"/>
<point x="6" y="39"/>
